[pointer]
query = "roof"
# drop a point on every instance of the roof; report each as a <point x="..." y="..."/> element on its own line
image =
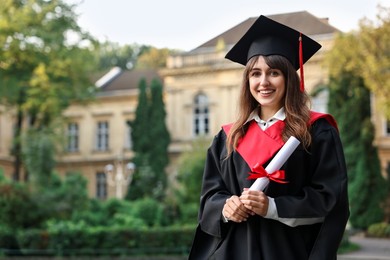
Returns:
<point x="129" y="79"/>
<point x="301" y="21"/>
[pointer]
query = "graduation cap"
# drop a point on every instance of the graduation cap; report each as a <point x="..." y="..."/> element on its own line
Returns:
<point x="268" y="37"/>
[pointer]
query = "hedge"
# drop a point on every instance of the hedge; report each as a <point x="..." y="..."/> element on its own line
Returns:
<point x="380" y="230"/>
<point x="99" y="241"/>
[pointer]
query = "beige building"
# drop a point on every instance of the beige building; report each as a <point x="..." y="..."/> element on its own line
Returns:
<point x="200" y="92"/>
<point x="99" y="134"/>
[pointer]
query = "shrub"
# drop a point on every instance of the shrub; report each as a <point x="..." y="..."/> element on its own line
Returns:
<point x="95" y="241"/>
<point x="8" y="241"/>
<point x="17" y="209"/>
<point x="189" y="213"/>
<point x="150" y="210"/>
<point x="381" y="229"/>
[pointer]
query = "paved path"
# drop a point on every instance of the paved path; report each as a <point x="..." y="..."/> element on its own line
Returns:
<point x="370" y="249"/>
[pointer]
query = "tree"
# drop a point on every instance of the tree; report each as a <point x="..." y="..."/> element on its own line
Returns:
<point x="150" y="143"/>
<point x="190" y="172"/>
<point x="141" y="125"/>
<point x="187" y="191"/>
<point x="374" y="43"/>
<point x="141" y="144"/>
<point x="16" y="198"/>
<point x="42" y="68"/>
<point x="114" y="55"/>
<point x="160" y="137"/>
<point x="153" y="58"/>
<point x="38" y="156"/>
<point x="349" y="102"/>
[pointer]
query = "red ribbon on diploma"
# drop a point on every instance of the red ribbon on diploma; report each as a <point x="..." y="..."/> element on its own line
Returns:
<point x="258" y="172"/>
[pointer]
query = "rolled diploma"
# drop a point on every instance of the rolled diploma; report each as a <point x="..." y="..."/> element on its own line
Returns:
<point x="276" y="163"/>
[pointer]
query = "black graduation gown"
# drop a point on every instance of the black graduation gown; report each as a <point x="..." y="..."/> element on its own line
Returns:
<point x="317" y="187"/>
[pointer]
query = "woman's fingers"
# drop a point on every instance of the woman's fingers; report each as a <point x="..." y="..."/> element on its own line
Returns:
<point x="235" y="210"/>
<point x="256" y="201"/>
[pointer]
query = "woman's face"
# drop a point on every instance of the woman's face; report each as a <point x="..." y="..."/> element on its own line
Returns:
<point x="267" y="86"/>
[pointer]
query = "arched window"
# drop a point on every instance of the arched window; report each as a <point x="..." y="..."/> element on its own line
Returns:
<point x="201" y="115"/>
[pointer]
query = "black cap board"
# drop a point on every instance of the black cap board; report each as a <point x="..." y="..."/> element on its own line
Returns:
<point x="268" y="37"/>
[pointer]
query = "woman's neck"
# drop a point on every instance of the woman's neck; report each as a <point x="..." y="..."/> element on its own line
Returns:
<point x="267" y="113"/>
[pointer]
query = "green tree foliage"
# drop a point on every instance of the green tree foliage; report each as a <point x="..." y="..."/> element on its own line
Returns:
<point x="141" y="145"/>
<point x="138" y="214"/>
<point x="189" y="181"/>
<point x="149" y="210"/>
<point x="15" y="198"/>
<point x="150" y="143"/>
<point x="43" y="64"/>
<point x="114" y="55"/>
<point x="153" y="58"/>
<point x="349" y="102"/>
<point x="159" y="136"/>
<point x="374" y="44"/>
<point x="38" y="154"/>
<point x="59" y="199"/>
<point x="367" y="52"/>
<point x="141" y="124"/>
<point x="190" y="172"/>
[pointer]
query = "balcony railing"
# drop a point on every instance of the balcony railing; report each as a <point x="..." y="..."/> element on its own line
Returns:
<point x="191" y="59"/>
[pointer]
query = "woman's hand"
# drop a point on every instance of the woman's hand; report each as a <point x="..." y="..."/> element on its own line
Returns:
<point x="234" y="210"/>
<point x="255" y="201"/>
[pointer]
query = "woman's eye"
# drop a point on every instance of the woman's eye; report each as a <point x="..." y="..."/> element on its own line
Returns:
<point x="274" y="73"/>
<point x="255" y="73"/>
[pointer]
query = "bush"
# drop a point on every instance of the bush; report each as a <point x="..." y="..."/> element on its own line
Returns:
<point x="149" y="210"/>
<point x="97" y="241"/>
<point x="381" y="229"/>
<point x="17" y="209"/>
<point x="189" y="213"/>
<point x="61" y="198"/>
<point x="8" y="241"/>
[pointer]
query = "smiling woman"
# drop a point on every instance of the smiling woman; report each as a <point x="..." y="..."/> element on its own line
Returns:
<point x="292" y="217"/>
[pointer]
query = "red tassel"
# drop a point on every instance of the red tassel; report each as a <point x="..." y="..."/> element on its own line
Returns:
<point x="302" y="87"/>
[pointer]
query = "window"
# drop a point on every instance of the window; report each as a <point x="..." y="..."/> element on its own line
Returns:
<point x="102" y="135"/>
<point x="320" y="101"/>
<point x="128" y="140"/>
<point x="387" y="128"/>
<point x="201" y="115"/>
<point x="73" y="137"/>
<point x="101" y="185"/>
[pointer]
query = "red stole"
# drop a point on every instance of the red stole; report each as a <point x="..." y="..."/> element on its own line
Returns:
<point x="258" y="146"/>
<point x="314" y="116"/>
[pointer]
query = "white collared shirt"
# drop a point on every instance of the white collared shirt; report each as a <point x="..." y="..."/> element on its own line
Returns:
<point x="279" y="116"/>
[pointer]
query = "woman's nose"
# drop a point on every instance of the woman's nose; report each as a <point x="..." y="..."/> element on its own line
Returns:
<point x="264" y="81"/>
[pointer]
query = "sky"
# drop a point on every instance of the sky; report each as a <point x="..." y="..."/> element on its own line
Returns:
<point x="186" y="24"/>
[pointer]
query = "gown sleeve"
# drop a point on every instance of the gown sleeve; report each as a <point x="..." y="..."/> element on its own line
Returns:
<point x="214" y="190"/>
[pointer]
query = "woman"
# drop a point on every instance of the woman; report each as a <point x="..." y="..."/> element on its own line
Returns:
<point x="303" y="214"/>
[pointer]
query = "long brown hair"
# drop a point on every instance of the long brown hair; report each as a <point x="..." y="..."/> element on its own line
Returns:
<point x="295" y="104"/>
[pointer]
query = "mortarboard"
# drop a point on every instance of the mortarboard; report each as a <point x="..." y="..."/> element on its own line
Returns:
<point x="268" y="37"/>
